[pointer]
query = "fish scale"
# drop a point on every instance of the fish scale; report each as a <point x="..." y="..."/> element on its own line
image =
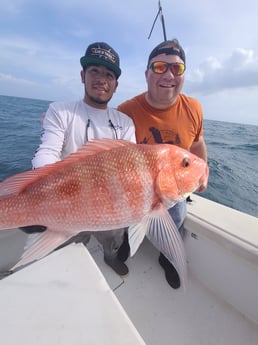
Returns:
<point x="62" y="192"/>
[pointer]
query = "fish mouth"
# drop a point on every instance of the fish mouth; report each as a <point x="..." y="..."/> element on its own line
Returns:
<point x="204" y="178"/>
<point x="203" y="181"/>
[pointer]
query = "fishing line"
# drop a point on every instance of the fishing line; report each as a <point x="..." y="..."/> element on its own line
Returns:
<point x="111" y="125"/>
<point x="162" y="22"/>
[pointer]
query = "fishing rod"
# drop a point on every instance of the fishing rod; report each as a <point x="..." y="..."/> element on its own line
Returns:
<point x="162" y="22"/>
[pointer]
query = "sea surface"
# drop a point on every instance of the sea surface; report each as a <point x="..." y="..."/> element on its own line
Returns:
<point x="232" y="152"/>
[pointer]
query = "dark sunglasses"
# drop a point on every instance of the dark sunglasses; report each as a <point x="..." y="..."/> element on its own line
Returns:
<point x="161" y="67"/>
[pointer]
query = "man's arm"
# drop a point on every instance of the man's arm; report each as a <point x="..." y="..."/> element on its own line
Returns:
<point x="52" y="139"/>
<point x="48" y="152"/>
<point x="199" y="149"/>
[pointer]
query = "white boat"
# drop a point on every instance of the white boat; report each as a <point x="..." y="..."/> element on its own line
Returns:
<point x="69" y="298"/>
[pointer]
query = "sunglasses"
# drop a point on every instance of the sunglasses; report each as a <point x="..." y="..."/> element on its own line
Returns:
<point x="161" y="67"/>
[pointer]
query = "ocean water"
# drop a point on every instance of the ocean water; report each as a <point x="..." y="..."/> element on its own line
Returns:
<point x="232" y="152"/>
<point x="233" y="162"/>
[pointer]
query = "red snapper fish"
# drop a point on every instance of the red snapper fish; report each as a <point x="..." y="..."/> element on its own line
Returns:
<point x="107" y="184"/>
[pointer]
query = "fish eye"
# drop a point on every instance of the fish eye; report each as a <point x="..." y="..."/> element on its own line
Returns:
<point x="186" y="162"/>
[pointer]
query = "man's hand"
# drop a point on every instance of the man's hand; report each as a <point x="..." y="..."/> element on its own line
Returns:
<point x="31" y="229"/>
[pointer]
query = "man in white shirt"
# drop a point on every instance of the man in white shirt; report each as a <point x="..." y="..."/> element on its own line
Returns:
<point x="68" y="125"/>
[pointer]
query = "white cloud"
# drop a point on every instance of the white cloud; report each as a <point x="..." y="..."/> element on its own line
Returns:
<point x="237" y="71"/>
<point x="235" y="105"/>
<point x="15" y="81"/>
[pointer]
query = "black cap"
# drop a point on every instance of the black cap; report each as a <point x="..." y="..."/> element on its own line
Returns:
<point x="169" y="48"/>
<point x="101" y="53"/>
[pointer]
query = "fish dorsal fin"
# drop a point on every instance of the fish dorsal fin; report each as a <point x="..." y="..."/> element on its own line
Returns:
<point x="92" y="148"/>
<point x="17" y="183"/>
<point x="98" y="145"/>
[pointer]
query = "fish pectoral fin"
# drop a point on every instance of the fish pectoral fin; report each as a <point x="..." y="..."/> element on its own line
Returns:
<point x="164" y="235"/>
<point x="39" y="245"/>
<point x="136" y="234"/>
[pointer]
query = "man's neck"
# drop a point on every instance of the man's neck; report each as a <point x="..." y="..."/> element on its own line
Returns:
<point x="160" y="105"/>
<point x="95" y="104"/>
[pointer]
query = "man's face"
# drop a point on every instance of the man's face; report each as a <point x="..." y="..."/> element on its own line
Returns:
<point x="100" y="84"/>
<point x="163" y="88"/>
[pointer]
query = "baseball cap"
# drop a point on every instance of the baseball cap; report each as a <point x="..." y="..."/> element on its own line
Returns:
<point x="101" y="53"/>
<point x="171" y="47"/>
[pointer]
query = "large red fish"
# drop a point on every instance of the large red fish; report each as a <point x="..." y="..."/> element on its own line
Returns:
<point x="107" y="184"/>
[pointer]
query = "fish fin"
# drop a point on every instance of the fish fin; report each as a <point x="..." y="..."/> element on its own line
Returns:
<point x="93" y="147"/>
<point x="164" y="235"/>
<point x="39" y="245"/>
<point x="17" y="183"/>
<point x="136" y="234"/>
<point x="105" y="144"/>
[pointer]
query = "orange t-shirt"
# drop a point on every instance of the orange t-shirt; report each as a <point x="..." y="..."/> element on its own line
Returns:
<point x="181" y="124"/>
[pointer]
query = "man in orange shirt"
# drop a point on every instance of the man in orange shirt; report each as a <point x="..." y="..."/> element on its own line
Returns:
<point x="164" y="115"/>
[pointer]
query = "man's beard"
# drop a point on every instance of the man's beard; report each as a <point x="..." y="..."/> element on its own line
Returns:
<point x="97" y="100"/>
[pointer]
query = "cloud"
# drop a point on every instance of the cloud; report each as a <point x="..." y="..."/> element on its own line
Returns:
<point x="7" y="78"/>
<point x="237" y="71"/>
<point x="41" y="43"/>
<point x="238" y="106"/>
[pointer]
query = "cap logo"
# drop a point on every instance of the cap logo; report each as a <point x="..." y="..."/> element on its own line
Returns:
<point x="103" y="54"/>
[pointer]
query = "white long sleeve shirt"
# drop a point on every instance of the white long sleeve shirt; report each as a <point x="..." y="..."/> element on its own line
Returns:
<point x="68" y="125"/>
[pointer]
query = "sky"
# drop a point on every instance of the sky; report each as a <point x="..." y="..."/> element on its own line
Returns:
<point x="41" y="43"/>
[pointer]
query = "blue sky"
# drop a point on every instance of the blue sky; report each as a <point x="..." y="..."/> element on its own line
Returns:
<point x="41" y="43"/>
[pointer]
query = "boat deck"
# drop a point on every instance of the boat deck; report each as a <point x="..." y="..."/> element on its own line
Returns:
<point x="42" y="295"/>
<point x="166" y="316"/>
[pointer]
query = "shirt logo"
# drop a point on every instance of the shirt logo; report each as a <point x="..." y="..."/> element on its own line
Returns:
<point x="162" y="137"/>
